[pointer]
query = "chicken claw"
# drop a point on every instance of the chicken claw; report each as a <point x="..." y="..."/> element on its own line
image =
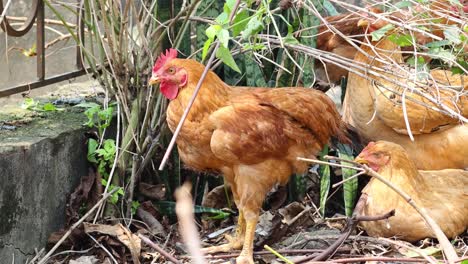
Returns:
<point x="233" y="243"/>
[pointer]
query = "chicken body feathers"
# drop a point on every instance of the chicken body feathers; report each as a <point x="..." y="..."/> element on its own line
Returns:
<point x="377" y="113"/>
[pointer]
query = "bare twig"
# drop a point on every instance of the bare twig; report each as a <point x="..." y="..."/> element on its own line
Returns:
<point x="373" y="259"/>
<point x="414" y="249"/>
<point x="159" y="249"/>
<point x="329" y="163"/>
<point x="75" y="225"/>
<point x="187" y="227"/>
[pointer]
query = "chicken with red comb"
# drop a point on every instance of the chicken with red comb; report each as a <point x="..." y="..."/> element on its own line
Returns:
<point x="252" y="136"/>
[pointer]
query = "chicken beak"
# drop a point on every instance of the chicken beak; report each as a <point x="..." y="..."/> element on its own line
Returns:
<point x="360" y="160"/>
<point x="363" y="23"/>
<point x="154" y="80"/>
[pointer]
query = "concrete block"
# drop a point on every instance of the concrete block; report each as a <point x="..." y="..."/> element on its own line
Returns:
<point x="40" y="165"/>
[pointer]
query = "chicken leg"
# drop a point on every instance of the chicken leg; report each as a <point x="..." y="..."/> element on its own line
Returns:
<point x="233" y="242"/>
<point x="246" y="255"/>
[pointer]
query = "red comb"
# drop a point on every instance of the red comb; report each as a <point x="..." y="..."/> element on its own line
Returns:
<point x="370" y="145"/>
<point x="163" y="58"/>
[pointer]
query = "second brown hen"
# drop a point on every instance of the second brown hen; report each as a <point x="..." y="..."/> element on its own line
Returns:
<point x="443" y="194"/>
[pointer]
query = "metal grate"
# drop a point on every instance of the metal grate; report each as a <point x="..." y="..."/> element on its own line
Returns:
<point x="37" y="16"/>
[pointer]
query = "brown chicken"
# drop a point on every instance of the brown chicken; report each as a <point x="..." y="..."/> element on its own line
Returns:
<point x="374" y="106"/>
<point x="329" y="40"/>
<point x="251" y="135"/>
<point x="443" y="194"/>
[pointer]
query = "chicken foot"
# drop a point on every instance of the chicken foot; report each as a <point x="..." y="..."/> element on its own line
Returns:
<point x="234" y="242"/>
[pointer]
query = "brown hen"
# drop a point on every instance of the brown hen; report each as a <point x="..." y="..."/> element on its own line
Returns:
<point x="443" y="194"/>
<point x="374" y="105"/>
<point x="251" y="135"/>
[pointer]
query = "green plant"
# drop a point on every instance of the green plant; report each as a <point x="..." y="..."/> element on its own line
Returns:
<point x="33" y="105"/>
<point x="97" y="116"/>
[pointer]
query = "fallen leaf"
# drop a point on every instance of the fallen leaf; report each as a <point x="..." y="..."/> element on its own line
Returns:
<point x="120" y="232"/>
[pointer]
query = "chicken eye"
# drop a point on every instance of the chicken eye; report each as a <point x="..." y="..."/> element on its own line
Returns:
<point x="171" y="70"/>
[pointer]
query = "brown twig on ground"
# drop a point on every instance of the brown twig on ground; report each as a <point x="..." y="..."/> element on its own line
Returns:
<point x="265" y="252"/>
<point x="159" y="249"/>
<point x="414" y="249"/>
<point x="381" y="259"/>
<point x="65" y="236"/>
<point x="187" y="227"/>
<point x="351" y="225"/>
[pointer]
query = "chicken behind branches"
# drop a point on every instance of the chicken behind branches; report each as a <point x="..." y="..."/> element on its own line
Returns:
<point x="443" y="194"/>
<point x="251" y="135"/>
<point x="374" y="104"/>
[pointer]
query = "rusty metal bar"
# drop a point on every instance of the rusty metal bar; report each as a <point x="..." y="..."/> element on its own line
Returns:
<point x="5" y="25"/>
<point x="37" y="15"/>
<point x="80" y="34"/>
<point x="40" y="34"/>
<point x="41" y="83"/>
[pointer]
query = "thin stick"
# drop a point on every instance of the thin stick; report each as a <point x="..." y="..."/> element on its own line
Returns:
<point x="158" y="249"/>
<point x="329" y="163"/>
<point x="381" y="259"/>
<point x="343" y="160"/>
<point x="47" y="256"/>
<point x="277" y="254"/>
<point x="414" y="249"/>
<point x="348" y="179"/>
<point x="194" y="96"/>
<point x="187" y="227"/>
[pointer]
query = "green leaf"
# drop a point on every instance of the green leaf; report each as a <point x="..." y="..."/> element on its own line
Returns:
<point x="420" y="66"/>
<point x="401" y="40"/>
<point x="49" y="107"/>
<point x="443" y="54"/>
<point x="206" y="47"/>
<point x="92" y="146"/>
<point x="290" y="39"/>
<point x="350" y="187"/>
<point x="135" y="206"/>
<point x="324" y="172"/>
<point x="212" y="30"/>
<point x="168" y="208"/>
<point x="254" y="26"/>
<point x="453" y="33"/>
<point x="223" y="36"/>
<point x="403" y="4"/>
<point x="224" y="54"/>
<point x="428" y="251"/>
<point x="240" y="22"/>
<point x="331" y="10"/>
<point x="458" y="70"/>
<point x="437" y="44"/>
<point x="229" y="5"/>
<point x="222" y="19"/>
<point x="87" y="105"/>
<point x="29" y="104"/>
<point x="380" y="33"/>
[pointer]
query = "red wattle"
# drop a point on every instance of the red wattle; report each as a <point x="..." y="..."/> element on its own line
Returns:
<point x="169" y="90"/>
